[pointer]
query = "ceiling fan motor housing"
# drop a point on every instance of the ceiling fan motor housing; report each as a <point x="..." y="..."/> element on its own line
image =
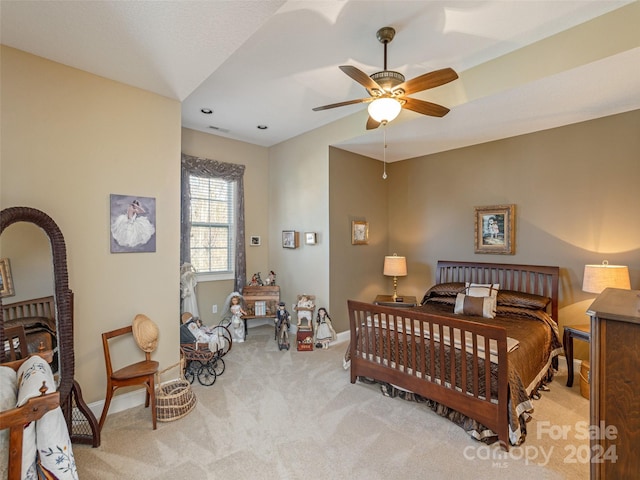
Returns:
<point x="388" y="80"/>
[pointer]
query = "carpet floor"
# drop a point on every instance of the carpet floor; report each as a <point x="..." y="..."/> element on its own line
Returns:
<point x="295" y="415"/>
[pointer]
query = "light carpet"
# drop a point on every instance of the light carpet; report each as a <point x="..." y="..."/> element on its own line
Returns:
<point x="295" y="415"/>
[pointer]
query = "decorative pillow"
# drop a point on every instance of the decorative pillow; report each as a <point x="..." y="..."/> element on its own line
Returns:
<point x="440" y="300"/>
<point x="510" y="298"/>
<point x="444" y="290"/>
<point x="483" y="290"/>
<point x="475" y="306"/>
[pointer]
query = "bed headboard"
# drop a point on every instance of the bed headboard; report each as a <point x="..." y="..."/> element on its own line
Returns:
<point x="536" y="279"/>
<point x="39" y="307"/>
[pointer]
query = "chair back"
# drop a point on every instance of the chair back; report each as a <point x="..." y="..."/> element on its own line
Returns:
<point x="106" y="336"/>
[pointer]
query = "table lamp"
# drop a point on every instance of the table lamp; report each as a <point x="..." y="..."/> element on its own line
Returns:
<point x="395" y="266"/>
<point x="598" y="277"/>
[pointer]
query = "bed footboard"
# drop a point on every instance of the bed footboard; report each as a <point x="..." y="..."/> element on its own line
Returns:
<point x="456" y="362"/>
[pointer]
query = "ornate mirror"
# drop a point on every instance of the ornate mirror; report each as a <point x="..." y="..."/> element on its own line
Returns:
<point x="75" y="410"/>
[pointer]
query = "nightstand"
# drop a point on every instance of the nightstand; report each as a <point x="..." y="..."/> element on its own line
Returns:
<point x="387" y="301"/>
<point x="581" y="332"/>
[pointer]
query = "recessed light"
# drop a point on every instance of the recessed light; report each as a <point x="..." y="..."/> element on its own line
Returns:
<point x="206" y="111"/>
<point x="262" y="127"/>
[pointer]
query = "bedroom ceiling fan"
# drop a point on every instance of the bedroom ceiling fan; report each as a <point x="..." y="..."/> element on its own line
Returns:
<point x="388" y="90"/>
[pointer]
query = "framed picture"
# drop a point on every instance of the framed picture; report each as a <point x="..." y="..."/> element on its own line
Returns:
<point x="6" y="282"/>
<point x="254" y="241"/>
<point x="133" y="224"/>
<point x="290" y="239"/>
<point x="495" y="229"/>
<point x="359" y="232"/>
<point x="310" y="238"/>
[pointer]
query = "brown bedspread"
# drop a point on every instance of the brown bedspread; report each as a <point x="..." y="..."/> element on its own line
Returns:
<point x="529" y="367"/>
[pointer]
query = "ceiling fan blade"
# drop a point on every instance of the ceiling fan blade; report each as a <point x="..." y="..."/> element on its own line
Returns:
<point x="361" y="77"/>
<point x="372" y="124"/>
<point x="342" y="104"/>
<point x="428" y="80"/>
<point x="425" y="108"/>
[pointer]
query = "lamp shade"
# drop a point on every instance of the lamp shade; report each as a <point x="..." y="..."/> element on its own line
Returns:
<point x="384" y="109"/>
<point x="598" y="277"/>
<point x="395" y="266"/>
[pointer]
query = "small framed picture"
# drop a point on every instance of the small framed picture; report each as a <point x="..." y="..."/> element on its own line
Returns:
<point x="254" y="241"/>
<point x="310" y="238"/>
<point x="290" y="239"/>
<point x="495" y="229"/>
<point x="6" y="282"/>
<point x="359" y="232"/>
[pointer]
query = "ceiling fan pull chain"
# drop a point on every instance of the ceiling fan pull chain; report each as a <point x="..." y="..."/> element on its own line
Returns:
<point x="384" y="151"/>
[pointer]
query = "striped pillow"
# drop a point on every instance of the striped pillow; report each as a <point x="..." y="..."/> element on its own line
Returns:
<point x="475" y="306"/>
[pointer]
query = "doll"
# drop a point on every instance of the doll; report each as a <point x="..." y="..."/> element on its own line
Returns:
<point x="324" y="332"/>
<point x="305" y="311"/>
<point x="202" y="334"/>
<point x="283" y="322"/>
<point x="233" y="312"/>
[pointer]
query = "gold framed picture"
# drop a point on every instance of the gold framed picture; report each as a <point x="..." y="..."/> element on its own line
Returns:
<point x="359" y="232"/>
<point x="495" y="229"/>
<point x="6" y="282"/>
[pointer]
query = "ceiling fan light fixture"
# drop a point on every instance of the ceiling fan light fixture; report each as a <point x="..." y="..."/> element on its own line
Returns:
<point x="384" y="110"/>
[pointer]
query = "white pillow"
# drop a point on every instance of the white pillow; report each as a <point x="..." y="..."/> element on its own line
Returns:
<point x="484" y="290"/>
<point x="54" y="445"/>
<point x="8" y="395"/>
<point x="31" y="374"/>
<point x="476" y="306"/>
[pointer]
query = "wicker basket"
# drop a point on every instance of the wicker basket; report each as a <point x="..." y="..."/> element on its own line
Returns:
<point x="174" y="398"/>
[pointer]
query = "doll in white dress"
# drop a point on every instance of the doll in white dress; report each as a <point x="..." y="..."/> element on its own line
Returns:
<point x="233" y="311"/>
<point x="324" y="332"/>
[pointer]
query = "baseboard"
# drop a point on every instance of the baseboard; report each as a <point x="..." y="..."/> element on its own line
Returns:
<point x="120" y="403"/>
<point x="343" y="336"/>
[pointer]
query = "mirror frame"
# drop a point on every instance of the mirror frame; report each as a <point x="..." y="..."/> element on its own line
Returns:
<point x="63" y="295"/>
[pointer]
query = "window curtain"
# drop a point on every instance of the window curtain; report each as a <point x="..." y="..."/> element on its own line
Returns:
<point x="204" y="167"/>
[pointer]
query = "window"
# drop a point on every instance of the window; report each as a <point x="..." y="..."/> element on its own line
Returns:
<point x="213" y="226"/>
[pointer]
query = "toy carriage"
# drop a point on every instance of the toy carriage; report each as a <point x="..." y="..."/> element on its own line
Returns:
<point x="203" y="360"/>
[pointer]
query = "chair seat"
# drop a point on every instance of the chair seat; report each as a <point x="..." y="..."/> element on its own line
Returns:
<point x="140" y="369"/>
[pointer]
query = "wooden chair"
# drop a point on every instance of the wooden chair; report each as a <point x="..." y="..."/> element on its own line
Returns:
<point x="20" y="351"/>
<point x="141" y="373"/>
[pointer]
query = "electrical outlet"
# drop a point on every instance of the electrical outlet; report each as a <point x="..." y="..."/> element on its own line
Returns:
<point x="215" y="309"/>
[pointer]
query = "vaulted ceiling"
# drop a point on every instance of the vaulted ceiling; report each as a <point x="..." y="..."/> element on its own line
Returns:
<point x="523" y="66"/>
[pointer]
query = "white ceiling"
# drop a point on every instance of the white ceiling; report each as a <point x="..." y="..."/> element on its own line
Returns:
<point x="270" y="62"/>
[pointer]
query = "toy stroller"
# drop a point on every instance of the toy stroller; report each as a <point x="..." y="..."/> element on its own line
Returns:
<point x="203" y="360"/>
<point x="283" y="322"/>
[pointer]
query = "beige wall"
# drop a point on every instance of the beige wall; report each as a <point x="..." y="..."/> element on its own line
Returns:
<point x="576" y="194"/>
<point x="256" y="189"/>
<point x="69" y="139"/>
<point x="356" y="192"/>
<point x="298" y="200"/>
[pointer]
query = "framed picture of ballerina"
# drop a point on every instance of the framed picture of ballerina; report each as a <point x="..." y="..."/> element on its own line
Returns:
<point x="132" y="225"/>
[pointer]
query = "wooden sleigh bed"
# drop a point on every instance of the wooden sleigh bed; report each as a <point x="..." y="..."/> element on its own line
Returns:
<point x="439" y="356"/>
